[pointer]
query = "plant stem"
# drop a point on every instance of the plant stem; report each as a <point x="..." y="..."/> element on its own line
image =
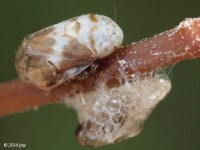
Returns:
<point x="170" y="47"/>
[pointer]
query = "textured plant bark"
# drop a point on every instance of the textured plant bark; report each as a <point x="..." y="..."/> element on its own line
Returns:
<point x="170" y="47"/>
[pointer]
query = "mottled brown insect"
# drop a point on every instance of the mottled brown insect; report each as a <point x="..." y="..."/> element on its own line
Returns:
<point x="55" y="54"/>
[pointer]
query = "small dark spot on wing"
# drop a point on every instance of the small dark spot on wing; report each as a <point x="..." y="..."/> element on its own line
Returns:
<point x="93" y="17"/>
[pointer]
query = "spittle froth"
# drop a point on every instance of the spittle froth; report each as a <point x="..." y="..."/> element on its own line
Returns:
<point x="58" y="53"/>
<point x="110" y="115"/>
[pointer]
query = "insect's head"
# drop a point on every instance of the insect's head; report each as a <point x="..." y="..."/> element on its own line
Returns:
<point x="32" y="65"/>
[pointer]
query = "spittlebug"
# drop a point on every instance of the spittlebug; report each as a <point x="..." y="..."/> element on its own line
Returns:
<point x="58" y="53"/>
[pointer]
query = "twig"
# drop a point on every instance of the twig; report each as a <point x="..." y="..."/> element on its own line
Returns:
<point x="170" y="47"/>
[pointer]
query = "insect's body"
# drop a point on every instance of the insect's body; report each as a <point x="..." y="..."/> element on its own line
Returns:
<point x="55" y="54"/>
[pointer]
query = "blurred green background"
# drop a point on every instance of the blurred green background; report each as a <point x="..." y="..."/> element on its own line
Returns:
<point x="175" y="123"/>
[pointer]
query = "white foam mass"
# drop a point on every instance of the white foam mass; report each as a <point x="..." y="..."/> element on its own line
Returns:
<point x="109" y="115"/>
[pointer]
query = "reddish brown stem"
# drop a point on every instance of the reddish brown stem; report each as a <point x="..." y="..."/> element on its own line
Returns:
<point x="170" y="47"/>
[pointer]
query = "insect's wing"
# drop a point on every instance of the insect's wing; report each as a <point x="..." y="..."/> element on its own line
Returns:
<point x="75" y="58"/>
<point x="47" y="59"/>
<point x="72" y="72"/>
<point x="71" y="58"/>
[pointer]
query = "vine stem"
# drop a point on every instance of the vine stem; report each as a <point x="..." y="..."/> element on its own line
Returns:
<point x="170" y="47"/>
